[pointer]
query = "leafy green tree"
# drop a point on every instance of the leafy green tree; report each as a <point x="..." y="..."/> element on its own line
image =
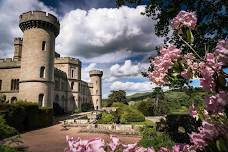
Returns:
<point x="117" y="96"/>
<point x="212" y="19"/>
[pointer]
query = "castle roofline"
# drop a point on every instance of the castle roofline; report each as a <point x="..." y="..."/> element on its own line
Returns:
<point x="8" y="63"/>
<point x="96" y="72"/>
<point x="67" y="60"/>
<point x="39" y="19"/>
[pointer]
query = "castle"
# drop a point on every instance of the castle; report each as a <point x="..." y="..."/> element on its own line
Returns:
<point x="38" y="74"/>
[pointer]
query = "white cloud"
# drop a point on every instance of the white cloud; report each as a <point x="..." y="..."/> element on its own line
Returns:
<point x="133" y="86"/>
<point x="103" y="31"/>
<point x="9" y="21"/>
<point x="127" y="69"/>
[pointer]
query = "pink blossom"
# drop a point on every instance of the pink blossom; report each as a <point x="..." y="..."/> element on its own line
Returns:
<point x="115" y="142"/>
<point x="163" y="63"/>
<point x="194" y="112"/>
<point x="222" y="51"/>
<point x="184" y="18"/>
<point x="141" y="149"/>
<point x="186" y="74"/>
<point x="216" y="104"/>
<point x="129" y="147"/>
<point x="163" y="149"/>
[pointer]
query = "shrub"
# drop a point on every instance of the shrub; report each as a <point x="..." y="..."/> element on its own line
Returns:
<point x="152" y="138"/>
<point x="4" y="148"/>
<point x="26" y="116"/>
<point x="146" y="107"/>
<point x="128" y="113"/>
<point x="106" y="118"/>
<point x="76" y="110"/>
<point x="5" y="130"/>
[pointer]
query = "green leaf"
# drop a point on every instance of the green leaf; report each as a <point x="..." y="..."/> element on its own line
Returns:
<point x="190" y="37"/>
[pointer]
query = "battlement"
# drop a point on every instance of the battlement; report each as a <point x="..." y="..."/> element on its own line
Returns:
<point x="67" y="60"/>
<point x="18" y="41"/>
<point x="39" y="19"/>
<point x="9" y="63"/>
<point x="96" y="72"/>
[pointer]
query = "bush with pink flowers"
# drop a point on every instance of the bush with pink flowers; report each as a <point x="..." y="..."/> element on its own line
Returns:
<point x="176" y="67"/>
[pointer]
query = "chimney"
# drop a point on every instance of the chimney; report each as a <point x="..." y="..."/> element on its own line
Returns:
<point x="18" y="48"/>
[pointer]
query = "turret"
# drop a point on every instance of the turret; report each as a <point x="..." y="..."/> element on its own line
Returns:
<point x="96" y="80"/>
<point x="17" y="48"/>
<point x="38" y="52"/>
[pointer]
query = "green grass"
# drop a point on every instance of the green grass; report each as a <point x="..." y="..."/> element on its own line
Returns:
<point x="145" y="123"/>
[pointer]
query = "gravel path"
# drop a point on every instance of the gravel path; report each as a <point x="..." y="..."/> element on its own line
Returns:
<point x="52" y="139"/>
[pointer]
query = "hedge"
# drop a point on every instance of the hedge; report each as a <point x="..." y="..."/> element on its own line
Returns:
<point x="5" y="130"/>
<point x="25" y="116"/>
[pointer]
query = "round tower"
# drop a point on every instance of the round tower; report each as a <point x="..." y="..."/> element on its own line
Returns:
<point x="96" y="79"/>
<point x="38" y="52"/>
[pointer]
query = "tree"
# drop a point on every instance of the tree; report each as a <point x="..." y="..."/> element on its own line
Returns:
<point x="117" y="96"/>
<point x="211" y="14"/>
<point x="157" y="94"/>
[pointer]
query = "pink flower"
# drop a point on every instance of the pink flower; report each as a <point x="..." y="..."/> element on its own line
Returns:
<point x="194" y="112"/>
<point x="184" y="18"/>
<point x="163" y="149"/>
<point x="141" y="149"/>
<point x="115" y="142"/>
<point x="163" y="63"/>
<point x="129" y="147"/>
<point x="186" y="74"/>
<point x="216" y="104"/>
<point x="222" y="51"/>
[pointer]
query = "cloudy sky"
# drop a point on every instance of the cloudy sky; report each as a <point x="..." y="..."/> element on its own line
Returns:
<point x="116" y="40"/>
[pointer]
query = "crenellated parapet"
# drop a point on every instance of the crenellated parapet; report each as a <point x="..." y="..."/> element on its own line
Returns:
<point x="18" y="41"/>
<point x="39" y="19"/>
<point x="96" y="72"/>
<point x="67" y="60"/>
<point x="9" y="63"/>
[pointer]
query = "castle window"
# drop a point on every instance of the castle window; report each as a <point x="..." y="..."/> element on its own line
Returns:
<point x="14" y="84"/>
<point x="72" y="73"/>
<point x="17" y="84"/>
<point x="72" y="85"/>
<point x="0" y="84"/>
<point x="40" y="99"/>
<point x="96" y="91"/>
<point x="43" y="45"/>
<point x="42" y="70"/>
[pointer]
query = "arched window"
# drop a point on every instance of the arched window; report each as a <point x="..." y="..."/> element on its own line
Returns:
<point x="42" y="72"/>
<point x="72" y="86"/>
<point x="40" y="99"/>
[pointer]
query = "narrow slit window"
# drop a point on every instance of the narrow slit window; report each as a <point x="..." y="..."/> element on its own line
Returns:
<point x="72" y="73"/>
<point x="0" y="84"/>
<point x="72" y="85"/>
<point x="43" y="45"/>
<point x="42" y="71"/>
